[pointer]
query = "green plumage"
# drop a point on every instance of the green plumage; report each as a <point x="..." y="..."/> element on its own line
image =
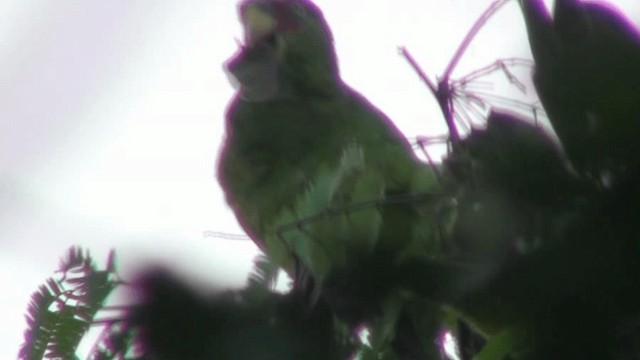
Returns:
<point x="275" y="149"/>
<point x="309" y="150"/>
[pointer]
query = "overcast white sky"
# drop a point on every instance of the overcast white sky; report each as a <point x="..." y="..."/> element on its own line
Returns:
<point x="112" y="114"/>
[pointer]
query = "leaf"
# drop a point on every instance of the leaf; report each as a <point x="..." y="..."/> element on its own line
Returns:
<point x="111" y="262"/>
<point x="61" y="311"/>
<point x="40" y="322"/>
<point x="115" y="342"/>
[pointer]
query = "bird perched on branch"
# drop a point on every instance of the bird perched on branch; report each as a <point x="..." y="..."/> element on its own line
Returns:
<point x="293" y="118"/>
<point x="304" y="148"/>
<point x="588" y="79"/>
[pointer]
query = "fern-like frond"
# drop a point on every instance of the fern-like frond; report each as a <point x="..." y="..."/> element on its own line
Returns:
<point x="63" y="308"/>
<point x="116" y="342"/>
<point x="40" y="324"/>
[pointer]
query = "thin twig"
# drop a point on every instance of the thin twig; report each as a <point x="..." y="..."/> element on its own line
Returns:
<point x="495" y="6"/>
<point x="391" y="200"/>
<point x="494" y="66"/>
<point x="440" y="92"/>
<point x="103" y="335"/>
<point x="459" y="117"/>
<point x="470" y="106"/>
<point x="513" y="79"/>
<point x="474" y="84"/>
<point x="106" y="321"/>
<point x="500" y="99"/>
<point x="431" y="162"/>
<point x="465" y="114"/>
<point x="440" y="139"/>
<point x="116" y="307"/>
<point x="423" y="76"/>
<point x="224" y="235"/>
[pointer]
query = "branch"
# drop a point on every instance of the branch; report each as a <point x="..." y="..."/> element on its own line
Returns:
<point x="495" y="6"/>
<point x="440" y="92"/>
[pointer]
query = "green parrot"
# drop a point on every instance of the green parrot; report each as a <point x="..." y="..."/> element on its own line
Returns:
<point x="322" y="180"/>
<point x="294" y="116"/>
<point x="588" y="79"/>
<point x="301" y="143"/>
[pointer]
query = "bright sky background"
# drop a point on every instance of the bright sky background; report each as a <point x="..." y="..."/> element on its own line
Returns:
<point x="112" y="114"/>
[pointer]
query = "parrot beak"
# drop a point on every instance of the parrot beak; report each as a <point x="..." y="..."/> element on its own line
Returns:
<point x="258" y="25"/>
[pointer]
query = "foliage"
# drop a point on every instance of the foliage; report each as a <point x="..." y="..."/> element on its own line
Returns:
<point x="64" y="307"/>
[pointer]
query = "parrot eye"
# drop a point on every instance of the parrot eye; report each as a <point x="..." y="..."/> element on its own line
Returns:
<point x="271" y="40"/>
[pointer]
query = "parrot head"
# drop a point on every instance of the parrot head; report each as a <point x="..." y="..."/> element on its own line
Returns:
<point x="287" y="52"/>
<point x="267" y="21"/>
